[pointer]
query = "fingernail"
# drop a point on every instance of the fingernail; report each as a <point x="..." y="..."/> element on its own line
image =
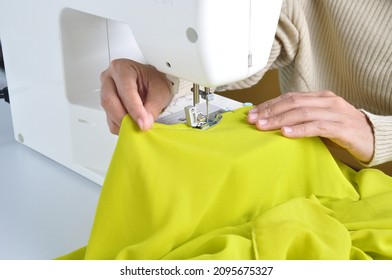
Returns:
<point x="253" y="110"/>
<point x="252" y="116"/>
<point x="287" y="130"/>
<point x="263" y="122"/>
<point x="140" y="123"/>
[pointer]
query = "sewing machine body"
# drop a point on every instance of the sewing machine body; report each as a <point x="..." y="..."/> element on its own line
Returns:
<point x="54" y="52"/>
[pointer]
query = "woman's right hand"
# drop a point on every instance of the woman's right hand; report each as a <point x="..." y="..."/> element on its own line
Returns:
<point x="128" y="87"/>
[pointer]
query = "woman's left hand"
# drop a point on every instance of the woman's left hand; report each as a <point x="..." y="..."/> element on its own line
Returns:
<point x="317" y="114"/>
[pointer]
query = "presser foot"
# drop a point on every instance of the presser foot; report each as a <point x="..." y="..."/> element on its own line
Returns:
<point x="198" y="120"/>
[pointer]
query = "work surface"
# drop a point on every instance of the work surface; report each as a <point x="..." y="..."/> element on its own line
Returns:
<point x="46" y="210"/>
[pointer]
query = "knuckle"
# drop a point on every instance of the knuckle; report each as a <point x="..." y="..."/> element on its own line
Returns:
<point x="304" y="112"/>
<point x="113" y="129"/>
<point x="322" y="125"/>
<point x="339" y="101"/>
<point x="268" y="111"/>
<point x="292" y="98"/>
<point x="280" y="119"/>
<point x="303" y="130"/>
<point x="115" y="64"/>
<point x="103" y="75"/>
<point x="327" y="93"/>
<point x="104" y="105"/>
<point x="288" y="95"/>
<point x="106" y="99"/>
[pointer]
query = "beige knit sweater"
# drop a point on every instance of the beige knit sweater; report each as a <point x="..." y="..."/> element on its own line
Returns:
<point x="340" y="45"/>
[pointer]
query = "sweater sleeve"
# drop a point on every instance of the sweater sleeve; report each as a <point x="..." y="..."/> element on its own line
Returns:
<point x="382" y="128"/>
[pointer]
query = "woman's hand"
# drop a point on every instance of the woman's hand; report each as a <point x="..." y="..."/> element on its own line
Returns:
<point x="317" y="114"/>
<point x="128" y="87"/>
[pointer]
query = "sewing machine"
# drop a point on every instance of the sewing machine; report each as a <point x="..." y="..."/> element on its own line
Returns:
<point x="54" y="52"/>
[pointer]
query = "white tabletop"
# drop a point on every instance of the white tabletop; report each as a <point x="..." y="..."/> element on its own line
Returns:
<point x="46" y="210"/>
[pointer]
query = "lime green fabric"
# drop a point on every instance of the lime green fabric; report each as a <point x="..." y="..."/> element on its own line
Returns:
<point x="233" y="192"/>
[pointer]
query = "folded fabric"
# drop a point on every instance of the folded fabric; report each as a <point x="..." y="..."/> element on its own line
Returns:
<point x="233" y="192"/>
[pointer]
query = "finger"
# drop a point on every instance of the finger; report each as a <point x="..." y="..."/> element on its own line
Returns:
<point x="127" y="90"/>
<point x="114" y="128"/>
<point x="110" y="101"/>
<point x="298" y="116"/>
<point x="334" y="131"/>
<point x="327" y="129"/>
<point x="290" y="101"/>
<point x="158" y="98"/>
<point x="359" y="147"/>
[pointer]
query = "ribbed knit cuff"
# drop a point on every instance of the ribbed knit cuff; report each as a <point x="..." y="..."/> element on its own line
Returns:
<point x="382" y="127"/>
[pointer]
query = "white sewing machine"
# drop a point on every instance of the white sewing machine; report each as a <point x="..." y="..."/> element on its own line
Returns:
<point x="54" y="52"/>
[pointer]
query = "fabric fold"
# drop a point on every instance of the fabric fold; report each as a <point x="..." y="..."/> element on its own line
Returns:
<point x="233" y="192"/>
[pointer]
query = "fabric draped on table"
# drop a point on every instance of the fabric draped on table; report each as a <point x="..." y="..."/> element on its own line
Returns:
<point x="233" y="192"/>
